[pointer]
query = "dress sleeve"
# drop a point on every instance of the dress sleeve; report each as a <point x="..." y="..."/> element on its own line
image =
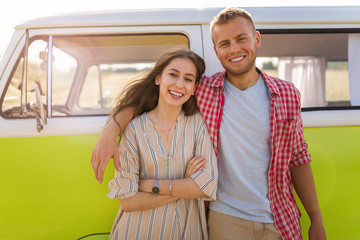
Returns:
<point x="206" y="178"/>
<point x="125" y="183"/>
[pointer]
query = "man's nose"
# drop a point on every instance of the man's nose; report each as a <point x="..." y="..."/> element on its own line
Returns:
<point x="234" y="47"/>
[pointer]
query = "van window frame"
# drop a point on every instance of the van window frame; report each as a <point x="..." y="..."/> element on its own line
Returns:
<point x="264" y="31"/>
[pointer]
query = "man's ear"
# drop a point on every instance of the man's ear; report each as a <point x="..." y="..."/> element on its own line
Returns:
<point x="258" y="39"/>
<point x="196" y="85"/>
<point x="216" y="52"/>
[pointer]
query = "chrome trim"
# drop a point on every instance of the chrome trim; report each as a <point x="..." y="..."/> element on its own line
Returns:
<point x="49" y="77"/>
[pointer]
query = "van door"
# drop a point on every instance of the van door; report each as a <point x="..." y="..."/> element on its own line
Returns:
<point x="324" y="65"/>
<point x="47" y="185"/>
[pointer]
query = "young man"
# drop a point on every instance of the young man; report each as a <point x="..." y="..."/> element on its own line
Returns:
<point x="260" y="145"/>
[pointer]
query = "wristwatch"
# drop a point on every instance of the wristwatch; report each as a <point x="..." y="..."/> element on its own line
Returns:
<point x="155" y="189"/>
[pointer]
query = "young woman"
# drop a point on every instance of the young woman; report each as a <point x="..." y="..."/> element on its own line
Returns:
<point x="163" y="180"/>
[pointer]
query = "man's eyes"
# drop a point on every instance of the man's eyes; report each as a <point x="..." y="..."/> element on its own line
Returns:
<point x="224" y="44"/>
<point x="241" y="39"/>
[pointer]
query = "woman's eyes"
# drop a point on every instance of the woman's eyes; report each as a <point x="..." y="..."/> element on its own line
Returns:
<point x="173" y="74"/>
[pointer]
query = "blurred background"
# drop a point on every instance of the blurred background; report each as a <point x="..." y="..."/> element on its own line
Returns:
<point x="13" y="13"/>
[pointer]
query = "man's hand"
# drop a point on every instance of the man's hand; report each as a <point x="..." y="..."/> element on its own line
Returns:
<point x="317" y="231"/>
<point x="105" y="148"/>
<point x="303" y="181"/>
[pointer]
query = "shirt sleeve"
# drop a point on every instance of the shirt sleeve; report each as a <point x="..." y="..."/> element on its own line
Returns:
<point x="300" y="151"/>
<point x="125" y="183"/>
<point x="300" y="148"/>
<point x="206" y="178"/>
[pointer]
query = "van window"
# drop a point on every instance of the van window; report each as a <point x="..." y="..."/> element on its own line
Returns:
<point x="11" y="105"/>
<point x="20" y="93"/>
<point x="104" y="82"/>
<point x="95" y="69"/>
<point x="88" y="72"/>
<point x="317" y="63"/>
<point x="64" y="67"/>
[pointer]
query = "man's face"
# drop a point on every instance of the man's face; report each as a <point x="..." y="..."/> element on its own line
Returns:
<point x="236" y="44"/>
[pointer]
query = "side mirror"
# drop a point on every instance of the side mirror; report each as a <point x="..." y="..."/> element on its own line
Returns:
<point x="39" y="110"/>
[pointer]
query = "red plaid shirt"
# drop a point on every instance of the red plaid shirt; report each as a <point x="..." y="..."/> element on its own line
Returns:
<point x="288" y="147"/>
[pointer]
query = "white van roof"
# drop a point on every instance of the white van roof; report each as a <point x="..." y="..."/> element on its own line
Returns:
<point x="261" y="15"/>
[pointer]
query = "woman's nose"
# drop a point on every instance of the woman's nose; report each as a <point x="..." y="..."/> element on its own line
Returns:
<point x="179" y="82"/>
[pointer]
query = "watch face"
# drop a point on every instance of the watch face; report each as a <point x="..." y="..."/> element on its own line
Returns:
<point x="155" y="189"/>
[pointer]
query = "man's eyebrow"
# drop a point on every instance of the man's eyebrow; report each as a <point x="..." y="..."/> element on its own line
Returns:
<point x="239" y="35"/>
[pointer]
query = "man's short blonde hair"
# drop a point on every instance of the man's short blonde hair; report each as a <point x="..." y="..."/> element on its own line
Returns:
<point x="229" y="14"/>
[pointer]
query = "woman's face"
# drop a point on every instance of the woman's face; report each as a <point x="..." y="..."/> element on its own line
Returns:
<point x="177" y="82"/>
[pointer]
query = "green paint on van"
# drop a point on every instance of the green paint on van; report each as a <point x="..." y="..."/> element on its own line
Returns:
<point x="48" y="189"/>
<point x="335" y="153"/>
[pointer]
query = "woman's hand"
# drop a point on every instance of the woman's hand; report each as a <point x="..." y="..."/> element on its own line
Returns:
<point x="195" y="164"/>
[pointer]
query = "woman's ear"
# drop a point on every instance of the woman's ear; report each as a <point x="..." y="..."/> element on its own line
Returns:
<point x="157" y="80"/>
<point x="194" y="90"/>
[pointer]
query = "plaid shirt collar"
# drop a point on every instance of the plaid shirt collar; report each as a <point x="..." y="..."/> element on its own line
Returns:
<point x="274" y="90"/>
<point x="219" y="82"/>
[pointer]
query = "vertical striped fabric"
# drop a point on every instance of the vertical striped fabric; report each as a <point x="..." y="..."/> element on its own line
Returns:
<point x="143" y="156"/>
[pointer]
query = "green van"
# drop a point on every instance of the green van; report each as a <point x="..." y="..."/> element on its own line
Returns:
<point x="60" y="76"/>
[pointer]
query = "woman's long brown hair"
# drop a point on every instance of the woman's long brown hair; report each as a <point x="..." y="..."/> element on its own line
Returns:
<point x="143" y="94"/>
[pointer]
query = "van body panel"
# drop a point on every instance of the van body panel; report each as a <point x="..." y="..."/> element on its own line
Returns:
<point x="49" y="191"/>
<point x="285" y="16"/>
<point x="14" y="128"/>
<point x="47" y="181"/>
<point x="335" y="163"/>
<point x="329" y="118"/>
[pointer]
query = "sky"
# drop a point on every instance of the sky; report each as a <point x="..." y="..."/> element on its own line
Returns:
<point x="13" y="13"/>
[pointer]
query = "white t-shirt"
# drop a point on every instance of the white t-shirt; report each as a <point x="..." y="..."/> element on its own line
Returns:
<point x="244" y="154"/>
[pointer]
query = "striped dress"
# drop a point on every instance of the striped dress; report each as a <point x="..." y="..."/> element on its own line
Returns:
<point x="143" y="156"/>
